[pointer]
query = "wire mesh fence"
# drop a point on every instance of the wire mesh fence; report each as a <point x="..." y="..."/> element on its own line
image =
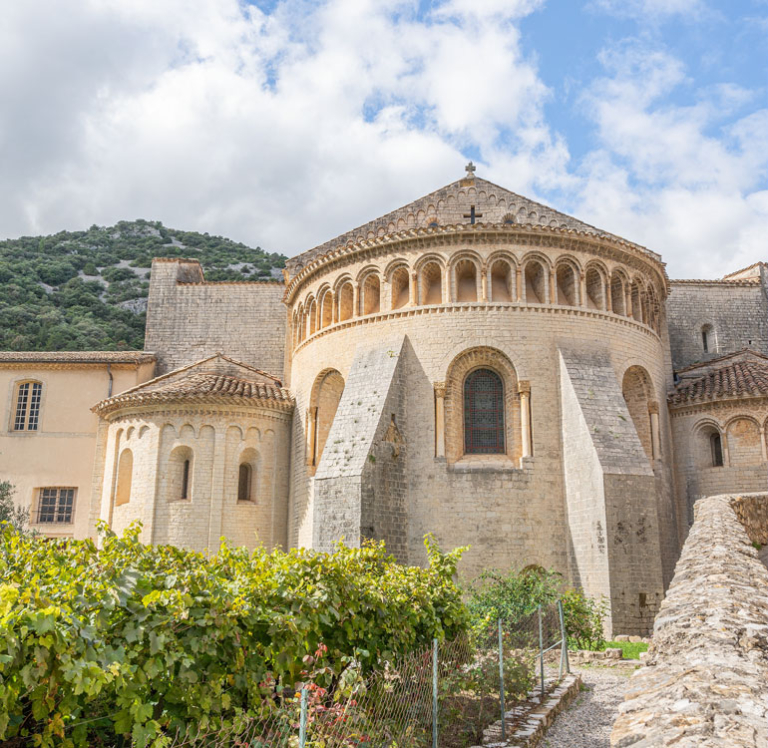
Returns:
<point x="446" y="695"/>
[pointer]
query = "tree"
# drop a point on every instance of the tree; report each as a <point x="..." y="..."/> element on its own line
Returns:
<point x="9" y="512"/>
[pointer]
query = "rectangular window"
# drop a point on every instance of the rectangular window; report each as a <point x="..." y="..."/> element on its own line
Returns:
<point x="55" y="505"/>
<point x="28" y="399"/>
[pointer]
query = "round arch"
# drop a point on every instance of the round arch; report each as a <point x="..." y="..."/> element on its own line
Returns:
<point x="469" y="360"/>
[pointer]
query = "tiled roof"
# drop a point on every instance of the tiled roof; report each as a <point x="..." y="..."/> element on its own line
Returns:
<point x="735" y="380"/>
<point x="77" y="357"/>
<point x="217" y="379"/>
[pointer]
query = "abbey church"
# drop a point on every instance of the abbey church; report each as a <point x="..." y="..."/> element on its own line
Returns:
<point x="474" y="364"/>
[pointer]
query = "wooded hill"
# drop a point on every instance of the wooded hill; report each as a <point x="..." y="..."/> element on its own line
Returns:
<point x="86" y="290"/>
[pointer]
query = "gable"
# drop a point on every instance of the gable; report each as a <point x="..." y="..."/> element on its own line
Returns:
<point x="453" y="205"/>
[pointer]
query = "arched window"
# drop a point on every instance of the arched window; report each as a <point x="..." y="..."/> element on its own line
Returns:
<point x="431" y="284"/>
<point x="466" y="281"/>
<point x="535" y="283"/>
<point x="502" y="281"/>
<point x="180" y="474"/>
<point x="567" y="285"/>
<point x="483" y="413"/>
<point x="346" y="302"/>
<point x="716" y="443"/>
<point x="401" y="288"/>
<point x="124" y="478"/>
<point x="27" y="410"/>
<point x="371" y="294"/>
<point x="707" y="339"/>
<point x="244" y="482"/>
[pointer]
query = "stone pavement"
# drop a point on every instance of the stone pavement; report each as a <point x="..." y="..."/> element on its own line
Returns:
<point x="588" y="721"/>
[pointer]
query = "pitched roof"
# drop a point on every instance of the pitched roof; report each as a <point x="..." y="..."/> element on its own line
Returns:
<point x="733" y="379"/>
<point x="216" y="379"/>
<point x="76" y="357"/>
<point x="452" y="205"/>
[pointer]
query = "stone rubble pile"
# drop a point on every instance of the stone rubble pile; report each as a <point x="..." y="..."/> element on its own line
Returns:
<point x="705" y="682"/>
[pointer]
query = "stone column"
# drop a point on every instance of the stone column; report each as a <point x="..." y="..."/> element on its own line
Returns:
<point x="218" y="488"/>
<point x="334" y="308"/>
<point x="726" y="451"/>
<point x="628" y="302"/>
<point x="653" y="410"/>
<point x="484" y="286"/>
<point x="552" y="285"/>
<point x="763" y="446"/>
<point x="524" y="390"/>
<point x="439" y="419"/>
<point x="414" y="290"/>
<point x="311" y="434"/>
<point x="519" y="274"/>
<point x="583" y="290"/>
<point x="608" y="296"/>
<point x="444" y="294"/>
<point x="355" y="299"/>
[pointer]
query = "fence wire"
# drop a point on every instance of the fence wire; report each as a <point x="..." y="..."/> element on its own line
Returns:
<point x="446" y="695"/>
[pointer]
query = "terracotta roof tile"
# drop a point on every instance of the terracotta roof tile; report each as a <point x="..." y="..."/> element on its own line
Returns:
<point x="77" y="357"/>
<point x="735" y="380"/>
<point x="228" y="382"/>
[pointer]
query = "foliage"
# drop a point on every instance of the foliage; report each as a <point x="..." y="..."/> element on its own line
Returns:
<point x="9" y="512"/>
<point x="517" y="594"/>
<point x="64" y="291"/>
<point x="629" y="650"/>
<point x="584" y="619"/>
<point x="144" y="641"/>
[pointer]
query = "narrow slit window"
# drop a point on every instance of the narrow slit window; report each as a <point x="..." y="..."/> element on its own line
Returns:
<point x="483" y="413"/>
<point x="717" y="450"/>
<point x="244" y="483"/>
<point x="705" y="340"/>
<point x="185" y="480"/>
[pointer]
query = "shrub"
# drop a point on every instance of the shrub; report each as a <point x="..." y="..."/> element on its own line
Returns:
<point x="147" y="640"/>
<point x="517" y="594"/>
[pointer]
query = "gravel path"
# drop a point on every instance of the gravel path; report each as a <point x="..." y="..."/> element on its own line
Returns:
<point x="588" y="721"/>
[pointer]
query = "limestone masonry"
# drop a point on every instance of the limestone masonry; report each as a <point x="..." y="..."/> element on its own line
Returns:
<point x="475" y="365"/>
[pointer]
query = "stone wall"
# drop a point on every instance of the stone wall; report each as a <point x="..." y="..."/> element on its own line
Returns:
<point x="610" y="492"/>
<point x="752" y="512"/>
<point x="737" y="312"/>
<point x="189" y="318"/>
<point x="705" y="683"/>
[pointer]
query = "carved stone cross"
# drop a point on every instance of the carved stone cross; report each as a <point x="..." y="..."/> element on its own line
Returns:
<point x="471" y="169"/>
<point x="472" y="215"/>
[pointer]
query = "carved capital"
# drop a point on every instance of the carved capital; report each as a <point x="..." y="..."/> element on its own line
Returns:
<point x="439" y="389"/>
<point x="524" y="387"/>
<point x="653" y="407"/>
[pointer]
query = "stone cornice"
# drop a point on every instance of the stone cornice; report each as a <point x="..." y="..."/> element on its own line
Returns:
<point x="480" y="234"/>
<point x="463" y="307"/>
<point x="140" y="413"/>
<point x="730" y="403"/>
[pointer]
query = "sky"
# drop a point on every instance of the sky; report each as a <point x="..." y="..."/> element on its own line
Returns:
<point x="283" y="123"/>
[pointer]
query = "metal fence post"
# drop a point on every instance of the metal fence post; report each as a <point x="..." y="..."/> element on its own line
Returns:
<point x="541" y="652"/>
<point x="564" y="637"/>
<point x="434" y="693"/>
<point x="501" y="685"/>
<point x="303" y="720"/>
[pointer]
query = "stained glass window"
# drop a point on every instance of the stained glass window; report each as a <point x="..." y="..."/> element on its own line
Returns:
<point x="483" y="413"/>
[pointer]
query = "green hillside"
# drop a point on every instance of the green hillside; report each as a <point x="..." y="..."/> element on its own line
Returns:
<point x="86" y="290"/>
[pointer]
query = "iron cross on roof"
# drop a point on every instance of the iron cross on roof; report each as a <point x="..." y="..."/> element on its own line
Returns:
<point x="472" y="215"/>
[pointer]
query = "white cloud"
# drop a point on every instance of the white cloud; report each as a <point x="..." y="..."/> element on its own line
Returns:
<point x="287" y="128"/>
<point x="281" y="129"/>
<point x="673" y="177"/>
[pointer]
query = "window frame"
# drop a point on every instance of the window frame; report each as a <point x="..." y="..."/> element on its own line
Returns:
<point x="21" y="416"/>
<point x="500" y="446"/>
<point x="56" y="509"/>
